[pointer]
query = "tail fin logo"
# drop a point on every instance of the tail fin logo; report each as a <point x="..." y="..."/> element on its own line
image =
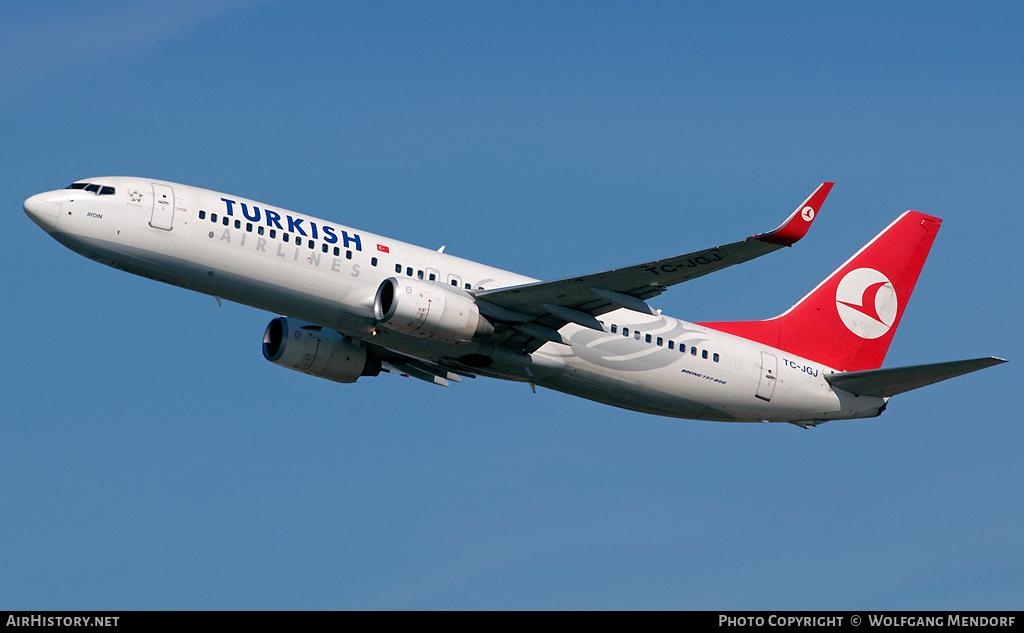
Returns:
<point x="807" y="213"/>
<point x="866" y="302"/>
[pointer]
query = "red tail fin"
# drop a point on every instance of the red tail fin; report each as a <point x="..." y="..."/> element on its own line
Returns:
<point x="848" y="321"/>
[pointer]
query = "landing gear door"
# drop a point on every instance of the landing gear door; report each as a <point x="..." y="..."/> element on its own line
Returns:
<point x="163" y="207"/>
<point x="769" y="371"/>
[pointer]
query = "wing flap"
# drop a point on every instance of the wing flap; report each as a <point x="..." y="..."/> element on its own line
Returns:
<point x="882" y="383"/>
<point x="427" y="371"/>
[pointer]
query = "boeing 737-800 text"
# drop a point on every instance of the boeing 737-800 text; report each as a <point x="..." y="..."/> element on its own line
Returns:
<point x="356" y="304"/>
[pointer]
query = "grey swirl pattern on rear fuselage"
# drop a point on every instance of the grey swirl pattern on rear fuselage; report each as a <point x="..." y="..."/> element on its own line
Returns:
<point x="626" y="353"/>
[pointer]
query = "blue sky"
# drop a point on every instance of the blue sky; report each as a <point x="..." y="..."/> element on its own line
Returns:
<point x="154" y="460"/>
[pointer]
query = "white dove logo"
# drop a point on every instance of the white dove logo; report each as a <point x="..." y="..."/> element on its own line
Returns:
<point x="866" y="302"/>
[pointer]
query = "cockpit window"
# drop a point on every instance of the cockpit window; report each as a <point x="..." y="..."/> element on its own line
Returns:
<point x="96" y="189"/>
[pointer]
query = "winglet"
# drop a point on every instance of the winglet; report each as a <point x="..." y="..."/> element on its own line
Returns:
<point x="796" y="225"/>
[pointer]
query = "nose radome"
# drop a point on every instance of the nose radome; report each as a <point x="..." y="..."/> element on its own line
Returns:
<point x="44" y="209"/>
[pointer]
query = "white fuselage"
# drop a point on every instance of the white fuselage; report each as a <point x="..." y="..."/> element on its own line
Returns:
<point x="245" y="251"/>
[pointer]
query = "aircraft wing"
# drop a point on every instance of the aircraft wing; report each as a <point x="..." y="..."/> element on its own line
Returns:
<point x="552" y="304"/>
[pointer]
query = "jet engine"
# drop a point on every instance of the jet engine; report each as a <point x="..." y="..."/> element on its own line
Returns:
<point x="317" y="351"/>
<point x="428" y="310"/>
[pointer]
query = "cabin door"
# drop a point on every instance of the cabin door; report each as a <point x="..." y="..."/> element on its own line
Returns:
<point x="769" y="371"/>
<point x="163" y="207"/>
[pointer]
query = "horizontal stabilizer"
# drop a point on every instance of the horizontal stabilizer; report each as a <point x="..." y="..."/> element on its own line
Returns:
<point x="889" y="382"/>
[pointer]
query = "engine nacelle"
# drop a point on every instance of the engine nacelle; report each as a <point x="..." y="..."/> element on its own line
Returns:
<point x="428" y="310"/>
<point x="317" y="351"/>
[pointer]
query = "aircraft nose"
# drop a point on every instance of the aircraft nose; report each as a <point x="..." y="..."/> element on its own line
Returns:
<point x="44" y="209"/>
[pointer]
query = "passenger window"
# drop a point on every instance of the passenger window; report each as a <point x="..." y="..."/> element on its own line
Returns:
<point x="455" y="282"/>
<point x="373" y="261"/>
<point x="468" y="286"/>
<point x="238" y="224"/>
<point x="660" y="341"/>
<point x="625" y="331"/>
<point x="348" y="254"/>
<point x="202" y="214"/>
<point x="248" y="227"/>
<point x="273" y="233"/>
<point x="433" y="277"/>
<point x="647" y="338"/>
<point x="398" y="268"/>
<point x="671" y="344"/>
<point x="704" y="353"/>
<point x="285" y="236"/>
<point x="259" y="230"/>
<point x="419" y="274"/>
<point x="715" y="358"/>
<point x="636" y="334"/>
<point x="226" y="220"/>
<point x="213" y="217"/>
<point x="408" y="271"/>
<point x="693" y="351"/>
<point x="614" y="329"/>
<point x="337" y="251"/>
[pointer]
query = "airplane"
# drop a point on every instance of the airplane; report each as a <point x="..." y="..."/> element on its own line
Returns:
<point x="356" y="304"/>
